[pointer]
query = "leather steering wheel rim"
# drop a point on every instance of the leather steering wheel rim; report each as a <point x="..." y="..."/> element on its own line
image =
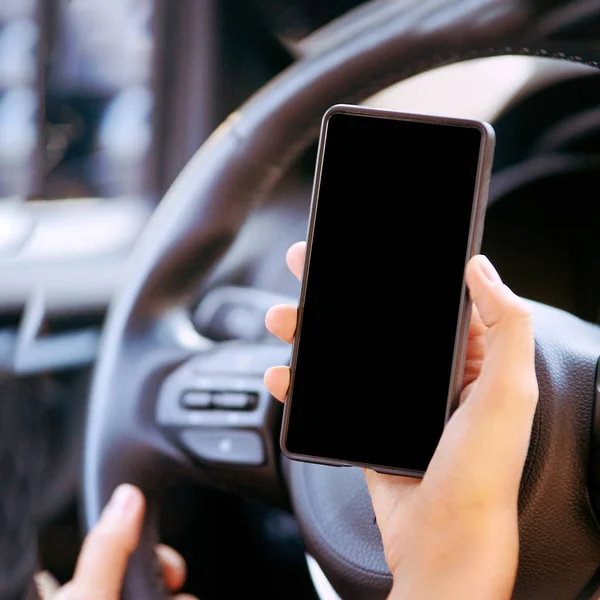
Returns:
<point x="211" y="199"/>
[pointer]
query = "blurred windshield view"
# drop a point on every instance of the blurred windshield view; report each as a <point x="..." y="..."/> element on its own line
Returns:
<point x="76" y="98"/>
<point x="19" y="95"/>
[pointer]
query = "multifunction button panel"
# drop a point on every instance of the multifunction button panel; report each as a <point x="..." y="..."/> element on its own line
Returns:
<point x="218" y="403"/>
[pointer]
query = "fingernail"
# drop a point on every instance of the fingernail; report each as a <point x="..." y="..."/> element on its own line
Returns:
<point x="488" y="269"/>
<point x="123" y="502"/>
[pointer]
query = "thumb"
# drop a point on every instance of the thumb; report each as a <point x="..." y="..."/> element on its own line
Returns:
<point x="507" y="379"/>
<point x="483" y="448"/>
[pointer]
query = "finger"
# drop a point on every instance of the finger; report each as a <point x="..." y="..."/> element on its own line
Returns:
<point x="277" y="381"/>
<point x="173" y="567"/>
<point x="480" y="457"/>
<point x="477" y="330"/>
<point x="185" y="597"/>
<point x="281" y="321"/>
<point x="46" y="585"/>
<point x="508" y="375"/>
<point x="107" y="547"/>
<point x="295" y="258"/>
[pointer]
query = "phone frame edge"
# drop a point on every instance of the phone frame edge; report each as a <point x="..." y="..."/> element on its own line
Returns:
<point x="480" y="198"/>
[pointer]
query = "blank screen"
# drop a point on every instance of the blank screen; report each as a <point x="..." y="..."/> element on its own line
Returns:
<point x="383" y="290"/>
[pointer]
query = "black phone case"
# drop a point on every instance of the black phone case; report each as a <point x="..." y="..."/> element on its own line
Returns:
<point x="480" y="197"/>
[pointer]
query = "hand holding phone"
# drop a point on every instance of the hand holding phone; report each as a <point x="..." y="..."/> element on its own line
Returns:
<point x="459" y="523"/>
<point x="409" y="191"/>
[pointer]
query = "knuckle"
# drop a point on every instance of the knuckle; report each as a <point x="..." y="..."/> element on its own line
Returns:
<point x="514" y="395"/>
<point x="530" y="390"/>
<point x="72" y="591"/>
<point x="517" y="308"/>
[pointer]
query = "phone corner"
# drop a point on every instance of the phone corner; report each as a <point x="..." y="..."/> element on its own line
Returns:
<point x="336" y="109"/>
<point x="489" y="133"/>
<point x="293" y="456"/>
<point x="282" y="444"/>
<point x="286" y="454"/>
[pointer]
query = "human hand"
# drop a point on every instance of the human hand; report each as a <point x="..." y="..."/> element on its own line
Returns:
<point x="106" y="550"/>
<point x="454" y="534"/>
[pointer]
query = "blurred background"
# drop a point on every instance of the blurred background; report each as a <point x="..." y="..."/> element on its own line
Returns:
<point x="77" y="98"/>
<point x="102" y="103"/>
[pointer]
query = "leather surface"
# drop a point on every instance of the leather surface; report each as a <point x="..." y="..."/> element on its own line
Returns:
<point x="232" y="173"/>
<point x="559" y="537"/>
<point x="336" y="516"/>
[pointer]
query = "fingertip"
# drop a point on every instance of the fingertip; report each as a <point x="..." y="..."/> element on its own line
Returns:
<point x="126" y="503"/>
<point x="277" y="381"/>
<point x="295" y="258"/>
<point x="271" y="319"/>
<point x="46" y="585"/>
<point x="107" y="547"/>
<point x="487" y="268"/>
<point x="481" y="272"/>
<point x="281" y="321"/>
<point x="296" y="250"/>
<point x="493" y="299"/>
<point x="173" y="567"/>
<point x="120" y="521"/>
<point x="485" y="286"/>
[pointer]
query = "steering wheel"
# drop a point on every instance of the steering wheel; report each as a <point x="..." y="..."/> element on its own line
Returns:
<point x="139" y="429"/>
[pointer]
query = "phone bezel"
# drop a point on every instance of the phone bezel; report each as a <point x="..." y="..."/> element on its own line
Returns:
<point x="480" y="197"/>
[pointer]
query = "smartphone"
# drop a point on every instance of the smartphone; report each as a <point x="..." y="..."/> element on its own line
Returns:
<point x="378" y="356"/>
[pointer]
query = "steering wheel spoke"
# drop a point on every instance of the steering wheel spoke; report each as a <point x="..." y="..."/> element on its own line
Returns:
<point x="122" y="437"/>
<point x="215" y="407"/>
<point x="180" y="407"/>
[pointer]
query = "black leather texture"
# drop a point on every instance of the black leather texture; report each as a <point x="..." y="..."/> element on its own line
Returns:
<point x="559" y="536"/>
<point x="333" y="507"/>
<point x="234" y="171"/>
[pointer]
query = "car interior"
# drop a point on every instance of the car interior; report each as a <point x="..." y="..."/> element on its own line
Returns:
<point x="156" y="162"/>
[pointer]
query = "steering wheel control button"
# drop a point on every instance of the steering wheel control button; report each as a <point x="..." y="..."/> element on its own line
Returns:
<point x="234" y="400"/>
<point x="232" y="377"/>
<point x="225" y="446"/>
<point x="196" y="399"/>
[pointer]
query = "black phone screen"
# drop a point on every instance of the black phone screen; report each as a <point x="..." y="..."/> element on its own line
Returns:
<point x="383" y="290"/>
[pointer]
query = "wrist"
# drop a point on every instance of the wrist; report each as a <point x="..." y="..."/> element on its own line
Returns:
<point x="468" y="561"/>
